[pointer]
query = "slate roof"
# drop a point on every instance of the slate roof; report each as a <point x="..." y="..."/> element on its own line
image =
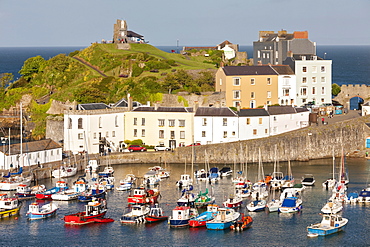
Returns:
<point x="258" y="112"/>
<point x="215" y="112"/>
<point x="258" y="70"/>
<point x="163" y="109"/>
<point x="92" y="106"/>
<point x="278" y="110"/>
<point x="283" y="69"/>
<point x="308" y="56"/>
<point x="301" y="109"/>
<point x="34" y="146"/>
<point x="133" y="34"/>
<point x="123" y="103"/>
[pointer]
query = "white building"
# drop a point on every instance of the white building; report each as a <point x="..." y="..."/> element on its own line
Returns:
<point x="171" y="126"/>
<point x="253" y="123"/>
<point x="314" y="78"/>
<point x="215" y="125"/>
<point x="33" y="153"/>
<point x="286" y="118"/>
<point x="287" y="87"/>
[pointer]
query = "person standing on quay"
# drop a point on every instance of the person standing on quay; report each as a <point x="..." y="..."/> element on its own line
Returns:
<point x="323" y="120"/>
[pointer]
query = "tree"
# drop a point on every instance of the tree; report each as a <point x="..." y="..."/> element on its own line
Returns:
<point x="335" y="89"/>
<point x="5" y="79"/>
<point x="32" y="66"/>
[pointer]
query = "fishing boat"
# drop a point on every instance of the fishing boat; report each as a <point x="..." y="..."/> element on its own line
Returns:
<point x="201" y="175"/>
<point x="331" y="223"/>
<point x="107" y="172"/>
<point x="332" y="207"/>
<point x="187" y="197"/>
<point x="203" y="199"/>
<point x="126" y="183"/>
<point x="152" y="180"/>
<point x="308" y="180"/>
<point x="59" y="186"/>
<point x="226" y="171"/>
<point x="143" y="196"/>
<point x="26" y="192"/>
<point x="161" y="172"/>
<point x="185" y="181"/>
<point x="201" y="219"/>
<point x="136" y="215"/>
<point x="9" y="206"/>
<point x="181" y="216"/>
<point x="96" y="191"/>
<point x="64" y="172"/>
<point x="93" y="166"/>
<point x="107" y="182"/>
<point x="225" y="217"/>
<point x="155" y="215"/>
<point x="233" y="201"/>
<point x="94" y="213"/>
<point x="71" y="194"/>
<point x="12" y="180"/>
<point x="242" y="224"/>
<point x="35" y="211"/>
<point x="256" y="206"/>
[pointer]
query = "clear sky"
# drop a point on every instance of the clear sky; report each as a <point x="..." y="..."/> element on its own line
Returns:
<point x="190" y="22"/>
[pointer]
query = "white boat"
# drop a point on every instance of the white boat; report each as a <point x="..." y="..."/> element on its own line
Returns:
<point x="225" y="217"/>
<point x="187" y="198"/>
<point x="107" y="172"/>
<point x="9" y="206"/>
<point x="233" y="201"/>
<point x="330" y="223"/>
<point x="226" y="171"/>
<point x="161" y="172"/>
<point x="93" y="166"/>
<point x="330" y="183"/>
<point x="64" y="172"/>
<point x="332" y="207"/>
<point x="273" y="205"/>
<point x="259" y="191"/>
<point x="36" y="212"/>
<point x="12" y="182"/>
<point x="201" y="175"/>
<point x="152" y="180"/>
<point x="185" y="181"/>
<point x="255" y="206"/>
<point x="136" y="215"/>
<point x="308" y="180"/>
<point x="364" y="196"/>
<point x="214" y="175"/>
<point x="107" y="182"/>
<point x="27" y="192"/>
<point x="291" y="201"/>
<point x="126" y="183"/>
<point x="71" y="194"/>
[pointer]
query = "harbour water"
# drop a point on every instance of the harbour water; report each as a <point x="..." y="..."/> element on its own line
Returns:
<point x="267" y="230"/>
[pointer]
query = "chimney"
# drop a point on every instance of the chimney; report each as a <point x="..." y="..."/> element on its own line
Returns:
<point x="156" y="106"/>
<point x="129" y="102"/>
<point x="238" y="107"/>
<point x="148" y="103"/>
<point x="196" y="106"/>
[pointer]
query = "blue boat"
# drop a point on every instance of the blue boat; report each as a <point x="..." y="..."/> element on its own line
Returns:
<point x="214" y="174"/>
<point x="331" y="223"/>
<point x="202" y="219"/>
<point x="35" y="211"/>
<point x="97" y="191"/>
<point x="224" y="219"/>
<point x="60" y="186"/>
<point x="291" y="205"/>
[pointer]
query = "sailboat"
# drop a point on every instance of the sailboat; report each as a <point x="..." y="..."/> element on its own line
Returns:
<point x="259" y="188"/>
<point x="331" y="182"/>
<point x="288" y="181"/>
<point x="277" y="176"/>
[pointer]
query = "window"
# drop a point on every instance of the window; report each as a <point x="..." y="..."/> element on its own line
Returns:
<point x="135" y="121"/>
<point x="313" y="79"/>
<point x="100" y="122"/>
<point x="304" y="69"/>
<point x="182" y="134"/>
<point x="268" y="81"/>
<point x="260" y="120"/>
<point x="304" y="91"/>
<point x="322" y="90"/>
<point x="116" y="121"/>
<point x="171" y="122"/>
<point x="204" y="121"/>
<point x="161" y="134"/>
<point x="286" y="92"/>
<point x="252" y="104"/>
<point x="252" y="95"/>
<point x="254" y="132"/>
<point x="160" y="122"/>
<point x="51" y="153"/>
<point x="107" y="134"/>
<point x="143" y="133"/>
<point x="69" y="123"/>
<point x="80" y="136"/>
<point x="220" y="81"/>
<point x="253" y="81"/>
<point x="236" y="103"/>
<point x="80" y="123"/>
<point x="233" y="133"/>
<point x="268" y="55"/>
<point x="248" y="121"/>
<point x="172" y="133"/>
<point x="181" y="123"/>
<point x="268" y="94"/>
<point x="275" y="119"/>
<point x="224" y="122"/>
<point x="135" y="132"/>
<point x="314" y="69"/>
<point x="323" y="80"/>
<point x="143" y="122"/>
<point x="94" y="135"/>
<point x="236" y="81"/>
<point x="236" y="94"/>
<point x="313" y="90"/>
<point x="322" y="100"/>
<point x="113" y="133"/>
<point x="304" y="80"/>
<point x="268" y="102"/>
<point x="225" y="134"/>
<point x="203" y="134"/>
<point x="259" y="54"/>
<point x="263" y="55"/>
<point x="266" y="131"/>
<point x="322" y="68"/>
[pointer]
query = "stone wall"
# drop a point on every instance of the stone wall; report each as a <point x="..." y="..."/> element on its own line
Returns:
<point x="55" y="129"/>
<point x="205" y="99"/>
<point x="349" y="91"/>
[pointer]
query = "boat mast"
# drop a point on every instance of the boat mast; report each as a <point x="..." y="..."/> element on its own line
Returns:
<point x="21" y="136"/>
<point x="333" y="165"/>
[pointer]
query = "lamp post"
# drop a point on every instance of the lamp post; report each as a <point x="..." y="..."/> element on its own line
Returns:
<point x="3" y="141"/>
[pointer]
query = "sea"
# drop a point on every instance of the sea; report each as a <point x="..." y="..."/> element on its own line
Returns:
<point x="350" y="63"/>
<point x="268" y="229"/>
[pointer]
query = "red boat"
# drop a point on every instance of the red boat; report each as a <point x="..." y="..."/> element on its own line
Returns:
<point x="202" y="219"/>
<point x="59" y="186"/>
<point x="94" y="213"/>
<point x="155" y="215"/>
<point x="143" y="196"/>
<point x="242" y="224"/>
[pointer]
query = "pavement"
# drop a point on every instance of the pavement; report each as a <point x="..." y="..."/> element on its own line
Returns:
<point x="338" y="118"/>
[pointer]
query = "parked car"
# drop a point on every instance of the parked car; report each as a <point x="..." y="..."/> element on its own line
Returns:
<point x="161" y="148"/>
<point x="134" y="148"/>
<point x="194" y="144"/>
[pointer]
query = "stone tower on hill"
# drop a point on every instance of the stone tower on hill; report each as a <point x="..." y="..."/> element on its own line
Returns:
<point x="121" y="35"/>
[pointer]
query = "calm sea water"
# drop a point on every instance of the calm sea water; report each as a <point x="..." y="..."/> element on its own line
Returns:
<point x="267" y="230"/>
<point x="350" y="63"/>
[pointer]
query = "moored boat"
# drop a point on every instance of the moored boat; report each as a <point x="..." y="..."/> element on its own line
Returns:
<point x="242" y="224"/>
<point x="59" y="186"/>
<point x="96" y="191"/>
<point x="136" y="215"/>
<point x="257" y="205"/>
<point x="64" y="172"/>
<point x="181" y="216"/>
<point x="9" y="206"/>
<point x="308" y="180"/>
<point x="224" y="219"/>
<point x="94" y="213"/>
<point x="155" y="215"/>
<point x="71" y="194"/>
<point x="12" y="182"/>
<point x="35" y="211"/>
<point x="233" y="201"/>
<point x="201" y="219"/>
<point x="27" y="192"/>
<point x="143" y="196"/>
<point x="107" y="172"/>
<point x="331" y="223"/>
<point x="203" y="199"/>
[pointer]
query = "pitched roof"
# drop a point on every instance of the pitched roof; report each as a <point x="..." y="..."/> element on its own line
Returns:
<point x="253" y="112"/>
<point x="249" y="70"/>
<point x="163" y="109"/>
<point x="278" y="110"/>
<point x="301" y="109"/>
<point x="33" y="146"/>
<point x="283" y="69"/>
<point x="123" y="103"/>
<point x="92" y="106"/>
<point x="133" y="34"/>
<point x="215" y="111"/>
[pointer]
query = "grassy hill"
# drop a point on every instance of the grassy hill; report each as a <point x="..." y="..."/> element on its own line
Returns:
<point x="102" y="73"/>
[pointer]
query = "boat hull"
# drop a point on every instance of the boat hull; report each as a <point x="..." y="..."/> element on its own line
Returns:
<point x="153" y="219"/>
<point x="37" y="216"/>
<point x="218" y="225"/>
<point x="80" y="219"/>
<point x="324" y="232"/>
<point x="178" y="223"/>
<point x="197" y="223"/>
<point x="10" y="212"/>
